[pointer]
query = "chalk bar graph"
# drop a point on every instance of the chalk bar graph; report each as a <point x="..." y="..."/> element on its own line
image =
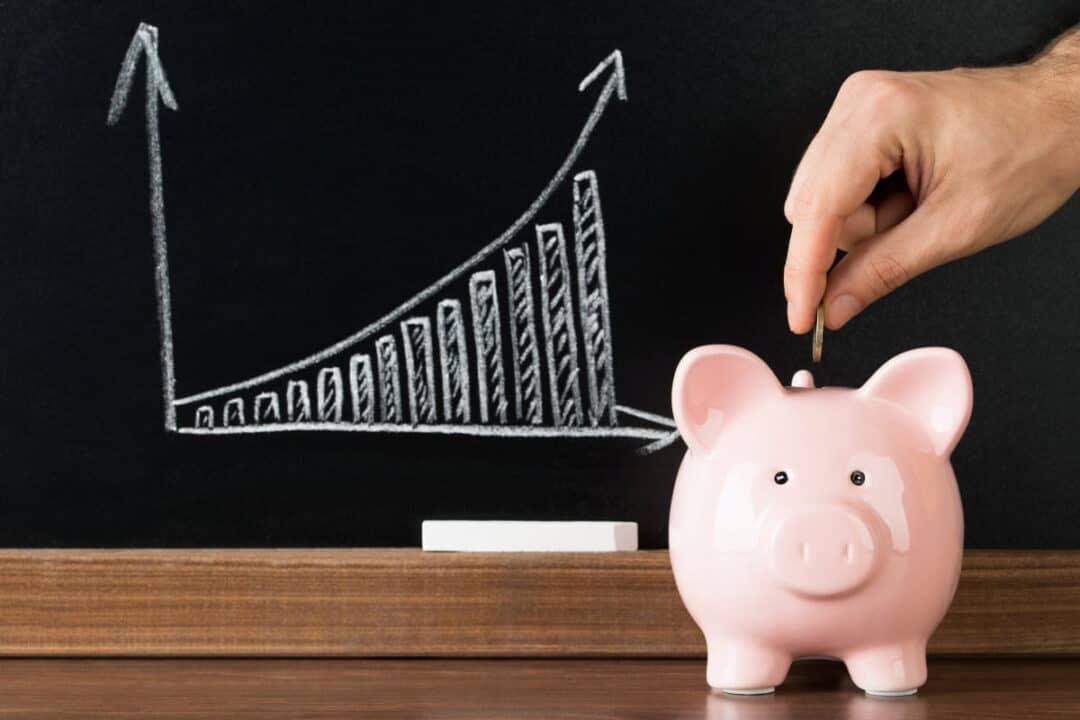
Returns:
<point x="514" y="344"/>
<point x="428" y="377"/>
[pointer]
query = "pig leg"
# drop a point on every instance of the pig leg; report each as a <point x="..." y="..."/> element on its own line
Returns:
<point x="741" y="667"/>
<point x="889" y="670"/>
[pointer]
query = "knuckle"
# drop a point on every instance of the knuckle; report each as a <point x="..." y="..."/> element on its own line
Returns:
<point x="793" y="272"/>
<point x="882" y="94"/>
<point x="792" y="276"/>
<point x="857" y="84"/>
<point x="886" y="274"/>
<point x="796" y="276"/>
<point x="800" y="204"/>
<point x="893" y="96"/>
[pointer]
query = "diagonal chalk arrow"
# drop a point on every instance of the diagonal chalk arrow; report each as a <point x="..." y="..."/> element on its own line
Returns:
<point x="614" y="86"/>
<point x="145" y="42"/>
<point x="618" y="77"/>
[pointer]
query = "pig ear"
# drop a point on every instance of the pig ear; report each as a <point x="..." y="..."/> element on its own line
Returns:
<point x="934" y="386"/>
<point x="713" y="385"/>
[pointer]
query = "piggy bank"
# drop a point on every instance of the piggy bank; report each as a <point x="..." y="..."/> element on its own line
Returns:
<point x="812" y="522"/>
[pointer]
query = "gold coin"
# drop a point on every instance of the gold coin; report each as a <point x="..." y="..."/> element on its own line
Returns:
<point x="819" y="332"/>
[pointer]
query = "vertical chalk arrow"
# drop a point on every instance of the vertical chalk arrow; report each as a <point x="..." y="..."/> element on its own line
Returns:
<point x="145" y="42"/>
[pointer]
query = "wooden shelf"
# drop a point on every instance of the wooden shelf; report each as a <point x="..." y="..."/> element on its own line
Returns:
<point x="397" y="603"/>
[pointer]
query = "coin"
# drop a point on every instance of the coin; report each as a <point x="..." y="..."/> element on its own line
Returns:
<point x="819" y="333"/>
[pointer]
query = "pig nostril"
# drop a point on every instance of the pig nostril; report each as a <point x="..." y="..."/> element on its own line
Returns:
<point x="849" y="553"/>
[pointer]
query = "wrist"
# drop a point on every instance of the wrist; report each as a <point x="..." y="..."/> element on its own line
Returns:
<point x="1056" y="82"/>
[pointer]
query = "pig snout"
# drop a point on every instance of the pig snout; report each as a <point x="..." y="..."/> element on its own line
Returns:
<point x="823" y="550"/>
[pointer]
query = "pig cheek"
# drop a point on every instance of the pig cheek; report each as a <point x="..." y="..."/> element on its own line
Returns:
<point x="885" y="493"/>
<point x="738" y="507"/>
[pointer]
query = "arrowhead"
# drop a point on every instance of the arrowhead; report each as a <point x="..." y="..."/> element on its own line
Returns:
<point x="615" y="58"/>
<point x="143" y="42"/>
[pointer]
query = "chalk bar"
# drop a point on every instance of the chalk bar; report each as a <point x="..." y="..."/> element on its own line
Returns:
<point x="527" y="536"/>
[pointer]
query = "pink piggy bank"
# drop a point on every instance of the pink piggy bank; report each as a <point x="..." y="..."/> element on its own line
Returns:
<point x="817" y="522"/>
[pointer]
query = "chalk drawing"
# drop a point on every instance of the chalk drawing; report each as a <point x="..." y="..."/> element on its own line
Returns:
<point x="659" y="443"/>
<point x="204" y="417"/>
<point x="328" y="394"/>
<point x="362" y="389"/>
<point x="556" y="312"/>
<point x="389" y="380"/>
<point x="369" y="357"/>
<point x="267" y="409"/>
<point x="503" y="431"/>
<point x="591" y="258"/>
<point x="454" y="369"/>
<point x="234" y="413"/>
<point x="528" y="403"/>
<point x="298" y="401"/>
<point x="642" y="415"/>
<point x="145" y="42"/>
<point x="419" y="369"/>
<point x="487" y="334"/>
<point x="616" y="83"/>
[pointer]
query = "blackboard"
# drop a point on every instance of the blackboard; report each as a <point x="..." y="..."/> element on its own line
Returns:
<point x="335" y="174"/>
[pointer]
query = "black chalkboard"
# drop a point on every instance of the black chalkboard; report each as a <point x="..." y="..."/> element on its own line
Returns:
<point x="323" y="164"/>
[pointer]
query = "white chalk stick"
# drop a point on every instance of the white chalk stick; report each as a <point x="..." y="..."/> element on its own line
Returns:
<point x="527" y="536"/>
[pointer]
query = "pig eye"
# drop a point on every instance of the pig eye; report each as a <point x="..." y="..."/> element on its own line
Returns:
<point x="857" y="477"/>
<point x="780" y="478"/>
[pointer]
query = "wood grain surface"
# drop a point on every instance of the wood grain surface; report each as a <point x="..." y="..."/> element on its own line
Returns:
<point x="515" y="689"/>
<point x="380" y="603"/>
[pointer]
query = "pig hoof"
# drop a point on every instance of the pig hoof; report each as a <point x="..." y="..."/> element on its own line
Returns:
<point x="892" y="693"/>
<point x="749" y="691"/>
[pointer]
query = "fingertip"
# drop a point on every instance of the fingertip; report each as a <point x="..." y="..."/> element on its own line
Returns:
<point x="798" y="318"/>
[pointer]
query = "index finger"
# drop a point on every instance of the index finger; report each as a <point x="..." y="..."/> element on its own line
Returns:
<point x="810" y="254"/>
<point x="852" y="151"/>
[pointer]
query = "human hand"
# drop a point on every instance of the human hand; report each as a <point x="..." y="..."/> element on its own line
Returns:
<point x="987" y="154"/>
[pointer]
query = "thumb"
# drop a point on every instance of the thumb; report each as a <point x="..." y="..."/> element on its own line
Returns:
<point x="884" y="262"/>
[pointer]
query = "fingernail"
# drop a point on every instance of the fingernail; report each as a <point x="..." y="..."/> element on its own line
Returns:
<point x="841" y="309"/>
